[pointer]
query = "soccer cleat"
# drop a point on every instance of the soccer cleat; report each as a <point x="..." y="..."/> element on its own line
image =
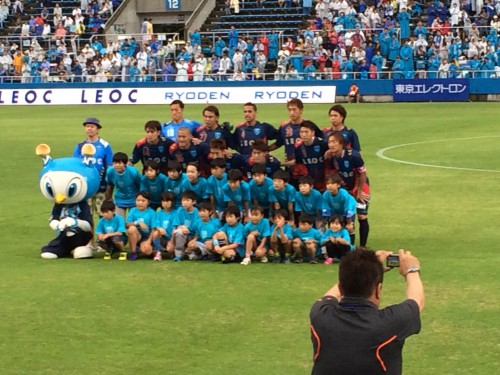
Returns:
<point x="298" y="260"/>
<point x="246" y="261"/>
<point x="286" y="260"/>
<point x="177" y="259"/>
<point x="264" y="259"/>
<point x="107" y="256"/>
<point x="123" y="255"/>
<point x="132" y="256"/>
<point x="328" y="261"/>
<point x="277" y="259"/>
<point x="313" y="260"/>
<point x="158" y="256"/>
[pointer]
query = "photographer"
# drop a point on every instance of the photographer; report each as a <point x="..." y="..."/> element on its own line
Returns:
<point x="350" y="334"/>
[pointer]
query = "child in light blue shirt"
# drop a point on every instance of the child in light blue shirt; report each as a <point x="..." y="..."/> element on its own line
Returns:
<point x="306" y="239"/>
<point x="257" y="231"/>
<point x="336" y="239"/>
<point x="124" y="181"/>
<point x="185" y="221"/>
<point x="140" y="223"/>
<point x="229" y="242"/>
<point x="111" y="232"/>
<point x="154" y="182"/>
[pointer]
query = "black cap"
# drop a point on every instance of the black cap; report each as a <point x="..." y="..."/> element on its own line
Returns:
<point x="92" y="120"/>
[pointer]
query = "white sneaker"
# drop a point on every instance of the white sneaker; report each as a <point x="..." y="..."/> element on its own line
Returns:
<point x="246" y="261"/>
<point x="264" y="259"/>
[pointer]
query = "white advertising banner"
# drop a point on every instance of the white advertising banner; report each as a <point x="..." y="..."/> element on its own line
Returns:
<point x="165" y="95"/>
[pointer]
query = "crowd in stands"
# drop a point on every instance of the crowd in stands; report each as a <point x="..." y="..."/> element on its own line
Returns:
<point x="208" y="191"/>
<point x="361" y="40"/>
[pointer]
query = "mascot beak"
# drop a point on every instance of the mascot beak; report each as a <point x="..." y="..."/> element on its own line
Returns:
<point x="60" y="198"/>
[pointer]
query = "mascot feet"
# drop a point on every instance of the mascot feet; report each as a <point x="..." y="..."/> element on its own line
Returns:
<point x="49" y="256"/>
<point x="82" y="252"/>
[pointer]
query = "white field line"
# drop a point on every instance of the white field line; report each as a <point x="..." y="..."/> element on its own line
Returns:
<point x="381" y="154"/>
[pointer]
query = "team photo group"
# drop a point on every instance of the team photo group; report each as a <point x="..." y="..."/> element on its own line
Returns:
<point x="206" y="190"/>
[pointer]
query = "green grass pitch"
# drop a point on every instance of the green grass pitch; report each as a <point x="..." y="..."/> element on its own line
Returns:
<point x="97" y="317"/>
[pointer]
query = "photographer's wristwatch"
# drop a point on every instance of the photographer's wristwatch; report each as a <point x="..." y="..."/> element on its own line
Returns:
<point x="411" y="269"/>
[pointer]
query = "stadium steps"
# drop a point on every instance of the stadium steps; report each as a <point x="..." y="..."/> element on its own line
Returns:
<point x="271" y="16"/>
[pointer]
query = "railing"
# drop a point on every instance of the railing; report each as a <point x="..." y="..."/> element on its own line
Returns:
<point x="160" y="77"/>
<point x="248" y="32"/>
<point x="138" y="37"/>
<point x="47" y="42"/>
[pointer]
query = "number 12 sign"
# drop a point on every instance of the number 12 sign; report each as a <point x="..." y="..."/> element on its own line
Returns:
<point x="173" y="4"/>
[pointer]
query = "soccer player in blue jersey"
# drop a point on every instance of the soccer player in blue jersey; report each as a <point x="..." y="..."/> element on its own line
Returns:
<point x="124" y="181"/>
<point x="337" y="115"/>
<point x="351" y="168"/>
<point x="111" y="232"/>
<point x="215" y="184"/>
<point x="309" y="201"/>
<point x="140" y="223"/>
<point x="306" y="239"/>
<point x="229" y="242"/>
<point x="289" y="130"/>
<point x="260" y="185"/>
<point x="282" y="194"/>
<point x="337" y="201"/>
<point x="336" y="239"/>
<point x="309" y="152"/>
<point x="281" y="237"/>
<point x="184" y="223"/>
<point x="152" y="147"/>
<point x="186" y="151"/>
<point x="237" y="192"/>
<point x="260" y="154"/>
<point x="153" y="182"/>
<point x="201" y="246"/>
<point x="250" y="130"/>
<point x="176" y="181"/>
<point x="171" y="128"/>
<point x="103" y="158"/>
<point x="164" y="225"/>
<point x="257" y="231"/>
<point x="196" y="183"/>
<point x="211" y="128"/>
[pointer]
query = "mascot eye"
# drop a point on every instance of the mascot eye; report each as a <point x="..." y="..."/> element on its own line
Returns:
<point x="48" y="188"/>
<point x="74" y="187"/>
<point x="72" y="190"/>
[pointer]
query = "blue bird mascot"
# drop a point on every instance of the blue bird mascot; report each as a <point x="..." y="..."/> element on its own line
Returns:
<point x="69" y="182"/>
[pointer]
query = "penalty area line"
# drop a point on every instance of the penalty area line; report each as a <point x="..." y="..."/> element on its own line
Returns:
<point x="381" y="154"/>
